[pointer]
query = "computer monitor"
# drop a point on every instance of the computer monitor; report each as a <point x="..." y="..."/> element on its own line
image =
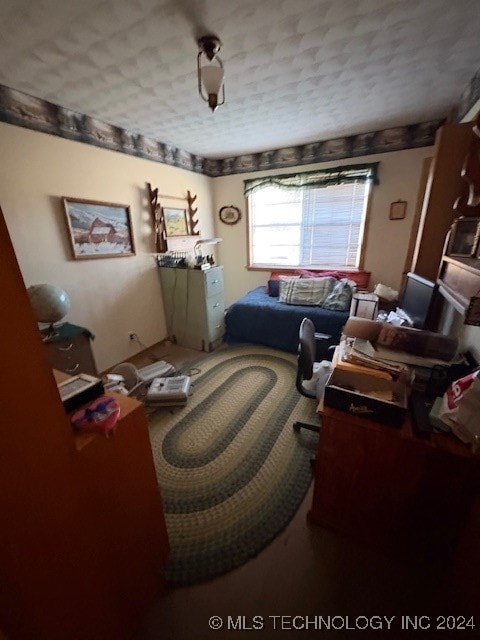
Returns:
<point x="416" y="300"/>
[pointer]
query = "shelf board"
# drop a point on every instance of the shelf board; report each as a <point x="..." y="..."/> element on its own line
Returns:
<point x="459" y="281"/>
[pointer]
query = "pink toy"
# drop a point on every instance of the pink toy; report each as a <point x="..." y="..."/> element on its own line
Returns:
<point x="99" y="416"/>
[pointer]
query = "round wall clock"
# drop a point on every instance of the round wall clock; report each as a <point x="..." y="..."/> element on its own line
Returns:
<point x="230" y="214"/>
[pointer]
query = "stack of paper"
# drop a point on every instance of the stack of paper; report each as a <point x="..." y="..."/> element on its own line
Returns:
<point x="361" y="352"/>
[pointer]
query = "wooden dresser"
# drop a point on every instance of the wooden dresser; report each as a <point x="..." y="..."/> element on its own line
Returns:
<point x="83" y="537"/>
<point x="70" y="350"/>
<point x="194" y="306"/>
<point x="388" y="486"/>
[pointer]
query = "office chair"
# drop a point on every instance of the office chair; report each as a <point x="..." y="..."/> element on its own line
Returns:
<point x="311" y="376"/>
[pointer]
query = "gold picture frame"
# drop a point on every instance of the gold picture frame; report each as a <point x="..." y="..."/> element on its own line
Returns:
<point x="175" y="221"/>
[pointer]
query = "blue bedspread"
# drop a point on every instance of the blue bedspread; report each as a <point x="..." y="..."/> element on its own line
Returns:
<point x="261" y="319"/>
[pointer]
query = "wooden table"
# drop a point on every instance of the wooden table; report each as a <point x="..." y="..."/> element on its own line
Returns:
<point x="387" y="485"/>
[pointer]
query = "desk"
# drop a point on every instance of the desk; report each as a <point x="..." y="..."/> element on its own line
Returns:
<point x="385" y="484"/>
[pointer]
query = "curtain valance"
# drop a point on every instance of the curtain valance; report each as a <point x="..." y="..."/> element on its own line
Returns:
<point x="316" y="179"/>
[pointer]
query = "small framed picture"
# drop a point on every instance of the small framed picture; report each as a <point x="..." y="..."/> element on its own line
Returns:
<point x="464" y="238"/>
<point x="398" y="210"/>
<point x="98" y="229"/>
<point x="175" y="222"/>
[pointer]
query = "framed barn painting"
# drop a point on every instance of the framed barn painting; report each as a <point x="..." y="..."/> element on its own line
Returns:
<point x="99" y="229"/>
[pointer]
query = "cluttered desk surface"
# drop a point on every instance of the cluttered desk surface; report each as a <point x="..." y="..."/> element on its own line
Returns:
<point x="127" y="405"/>
<point x="392" y="402"/>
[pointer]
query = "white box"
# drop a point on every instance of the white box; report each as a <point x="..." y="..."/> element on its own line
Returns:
<point x="364" y="305"/>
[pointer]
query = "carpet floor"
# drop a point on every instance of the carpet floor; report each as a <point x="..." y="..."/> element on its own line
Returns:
<point x="231" y="470"/>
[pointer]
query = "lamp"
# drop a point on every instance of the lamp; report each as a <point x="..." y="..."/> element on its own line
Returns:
<point x="197" y="250"/>
<point x="210" y="76"/>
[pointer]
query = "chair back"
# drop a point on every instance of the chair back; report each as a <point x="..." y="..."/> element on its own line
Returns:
<point x="306" y="356"/>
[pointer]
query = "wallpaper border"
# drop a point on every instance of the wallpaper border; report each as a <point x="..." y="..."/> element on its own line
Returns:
<point x="27" y="111"/>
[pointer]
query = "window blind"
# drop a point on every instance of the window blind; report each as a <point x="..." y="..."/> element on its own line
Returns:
<point x="332" y="225"/>
<point x="308" y="226"/>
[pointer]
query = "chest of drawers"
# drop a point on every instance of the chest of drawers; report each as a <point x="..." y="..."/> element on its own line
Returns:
<point x="70" y="350"/>
<point x="194" y="306"/>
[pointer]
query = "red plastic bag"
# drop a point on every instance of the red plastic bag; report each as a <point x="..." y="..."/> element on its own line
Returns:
<point x="461" y="408"/>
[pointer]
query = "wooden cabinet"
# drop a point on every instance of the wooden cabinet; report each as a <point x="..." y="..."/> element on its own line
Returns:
<point x="70" y="350"/>
<point x="83" y="537"/>
<point x="444" y="186"/>
<point x="389" y="487"/>
<point x="459" y="271"/>
<point x="119" y="487"/>
<point x="459" y="281"/>
<point x="194" y="306"/>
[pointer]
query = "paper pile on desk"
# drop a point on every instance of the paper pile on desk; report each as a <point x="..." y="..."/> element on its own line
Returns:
<point x="361" y="352"/>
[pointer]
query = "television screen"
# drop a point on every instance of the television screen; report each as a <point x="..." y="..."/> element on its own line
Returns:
<point x="416" y="299"/>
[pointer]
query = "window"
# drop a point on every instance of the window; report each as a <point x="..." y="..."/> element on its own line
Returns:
<point x="314" y="219"/>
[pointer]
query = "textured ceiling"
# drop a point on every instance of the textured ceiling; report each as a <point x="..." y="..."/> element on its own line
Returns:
<point x="296" y="70"/>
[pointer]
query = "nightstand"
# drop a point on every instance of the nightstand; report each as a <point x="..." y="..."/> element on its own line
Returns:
<point x="70" y="350"/>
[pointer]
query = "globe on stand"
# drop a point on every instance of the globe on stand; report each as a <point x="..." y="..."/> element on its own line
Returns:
<point x="50" y="304"/>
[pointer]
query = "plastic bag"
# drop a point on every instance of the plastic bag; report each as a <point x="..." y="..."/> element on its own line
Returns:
<point x="461" y="408"/>
<point x="99" y="416"/>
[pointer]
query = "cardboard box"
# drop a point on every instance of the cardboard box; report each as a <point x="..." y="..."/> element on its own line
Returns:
<point x="364" y="305"/>
<point x="348" y="391"/>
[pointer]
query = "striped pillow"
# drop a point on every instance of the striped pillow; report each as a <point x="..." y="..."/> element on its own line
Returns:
<point x="305" y="291"/>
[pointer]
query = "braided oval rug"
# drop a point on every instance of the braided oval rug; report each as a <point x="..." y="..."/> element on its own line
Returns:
<point x="231" y="469"/>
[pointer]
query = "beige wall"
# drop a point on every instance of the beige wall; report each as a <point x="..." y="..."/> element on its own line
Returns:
<point x="110" y="296"/>
<point x="387" y="241"/>
<point x="116" y="295"/>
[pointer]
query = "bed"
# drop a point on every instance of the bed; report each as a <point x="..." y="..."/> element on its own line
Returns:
<point x="260" y="318"/>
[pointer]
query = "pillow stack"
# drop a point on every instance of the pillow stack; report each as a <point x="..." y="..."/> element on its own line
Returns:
<point x="327" y="292"/>
<point x="333" y="290"/>
<point x="358" y="278"/>
<point x="305" y="291"/>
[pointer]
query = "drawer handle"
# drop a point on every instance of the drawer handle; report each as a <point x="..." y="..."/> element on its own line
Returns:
<point x="216" y="305"/>
<point x="66" y="348"/>
<point x="73" y="369"/>
<point x="215" y="281"/>
<point x="217" y="326"/>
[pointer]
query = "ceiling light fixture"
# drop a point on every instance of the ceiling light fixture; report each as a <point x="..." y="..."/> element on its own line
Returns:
<point x="210" y="76"/>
